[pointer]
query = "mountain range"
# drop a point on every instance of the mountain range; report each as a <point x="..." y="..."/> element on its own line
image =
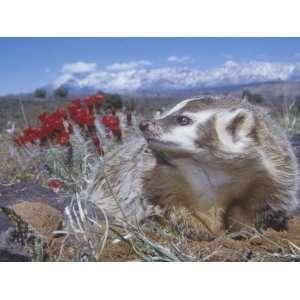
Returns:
<point x="140" y="78"/>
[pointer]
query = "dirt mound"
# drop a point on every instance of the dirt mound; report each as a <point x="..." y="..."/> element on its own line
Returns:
<point x="268" y="245"/>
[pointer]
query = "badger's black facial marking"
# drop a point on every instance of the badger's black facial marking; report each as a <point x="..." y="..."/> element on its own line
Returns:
<point x="235" y="125"/>
<point x="206" y="134"/>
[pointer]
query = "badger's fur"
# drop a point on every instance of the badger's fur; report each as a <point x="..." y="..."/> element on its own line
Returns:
<point x="216" y="164"/>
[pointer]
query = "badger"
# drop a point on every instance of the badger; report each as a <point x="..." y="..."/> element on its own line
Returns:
<point x="214" y="164"/>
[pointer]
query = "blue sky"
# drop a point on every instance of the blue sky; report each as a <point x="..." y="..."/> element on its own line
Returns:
<point x="28" y="63"/>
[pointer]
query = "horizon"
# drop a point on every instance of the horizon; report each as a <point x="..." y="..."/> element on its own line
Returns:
<point x="129" y="64"/>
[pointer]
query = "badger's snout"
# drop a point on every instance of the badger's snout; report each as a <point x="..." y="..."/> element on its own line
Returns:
<point x="148" y="129"/>
<point x="144" y="125"/>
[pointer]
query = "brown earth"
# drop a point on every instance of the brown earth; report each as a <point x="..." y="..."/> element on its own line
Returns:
<point x="45" y="215"/>
<point x="268" y="245"/>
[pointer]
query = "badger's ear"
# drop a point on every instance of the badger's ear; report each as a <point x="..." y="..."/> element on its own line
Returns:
<point x="234" y="127"/>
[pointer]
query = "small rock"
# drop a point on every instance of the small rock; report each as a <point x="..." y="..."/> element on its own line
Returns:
<point x="13" y="238"/>
<point x="29" y="214"/>
<point x="13" y="255"/>
<point x="42" y="217"/>
<point x="31" y="192"/>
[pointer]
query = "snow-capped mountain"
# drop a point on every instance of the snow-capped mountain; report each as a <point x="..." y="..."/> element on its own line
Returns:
<point x="141" y="77"/>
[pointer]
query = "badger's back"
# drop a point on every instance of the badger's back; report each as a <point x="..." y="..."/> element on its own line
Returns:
<point x="117" y="187"/>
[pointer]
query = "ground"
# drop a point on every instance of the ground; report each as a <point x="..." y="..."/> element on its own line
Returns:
<point x="43" y="211"/>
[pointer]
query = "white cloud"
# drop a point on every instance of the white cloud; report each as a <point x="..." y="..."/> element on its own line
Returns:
<point x="178" y="59"/>
<point x="140" y="76"/>
<point x="63" y="79"/>
<point x="79" y="67"/>
<point x="128" y="65"/>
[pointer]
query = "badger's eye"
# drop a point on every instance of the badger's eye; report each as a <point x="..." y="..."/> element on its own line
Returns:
<point x="183" y="120"/>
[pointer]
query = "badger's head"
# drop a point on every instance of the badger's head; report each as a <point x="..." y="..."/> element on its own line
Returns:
<point x="204" y="129"/>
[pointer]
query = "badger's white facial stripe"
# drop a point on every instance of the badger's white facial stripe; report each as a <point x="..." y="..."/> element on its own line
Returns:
<point x="183" y="135"/>
<point x="186" y="135"/>
<point x="224" y="119"/>
<point x="177" y="107"/>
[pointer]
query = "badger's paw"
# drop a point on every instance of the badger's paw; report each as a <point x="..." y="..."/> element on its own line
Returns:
<point x="276" y="220"/>
<point x="189" y="225"/>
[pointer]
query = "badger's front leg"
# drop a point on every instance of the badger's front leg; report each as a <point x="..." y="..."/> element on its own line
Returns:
<point x="251" y="218"/>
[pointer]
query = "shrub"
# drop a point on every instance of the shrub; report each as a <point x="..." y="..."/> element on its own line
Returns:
<point x="40" y="93"/>
<point x="61" y="92"/>
<point x="113" y="100"/>
<point x="252" y="97"/>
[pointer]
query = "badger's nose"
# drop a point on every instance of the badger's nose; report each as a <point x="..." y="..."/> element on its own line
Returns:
<point x="144" y="125"/>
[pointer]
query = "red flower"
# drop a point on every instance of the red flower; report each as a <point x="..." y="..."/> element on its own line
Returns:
<point x="74" y="106"/>
<point x="99" y="99"/>
<point x="63" y="138"/>
<point x="43" y="117"/>
<point x="54" y="183"/>
<point x="59" y="125"/>
<point x="53" y="127"/>
<point x="105" y="120"/>
<point x="83" y="117"/>
<point x="31" y="135"/>
<point x="72" y="109"/>
<point x="52" y="124"/>
<point x="27" y="131"/>
<point x="60" y="113"/>
<point x="95" y="139"/>
<point x="39" y="132"/>
<point x="116" y="131"/>
<point x="114" y="122"/>
<point x="89" y="119"/>
<point x="80" y="116"/>
<point x="89" y="101"/>
<point x="48" y="128"/>
<point x="19" y="140"/>
<point x="29" y="138"/>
